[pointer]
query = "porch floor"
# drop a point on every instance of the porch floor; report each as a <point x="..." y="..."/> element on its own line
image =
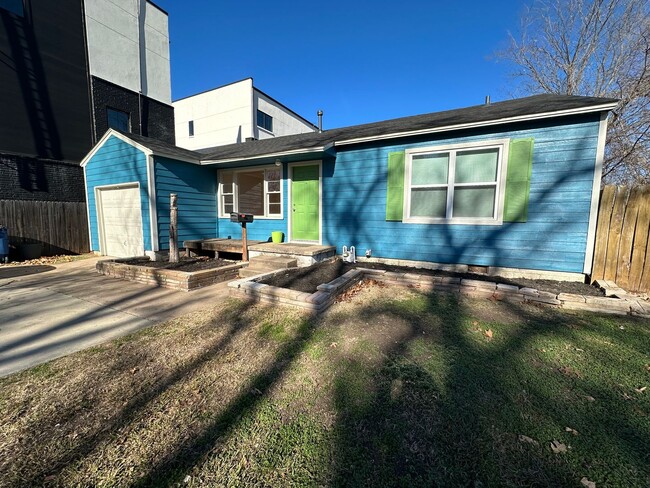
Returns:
<point x="305" y="253"/>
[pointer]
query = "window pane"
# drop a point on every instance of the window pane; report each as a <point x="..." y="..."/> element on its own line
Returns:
<point x="118" y="120"/>
<point x="430" y="169"/>
<point x="273" y="174"/>
<point x="228" y="208"/>
<point x="251" y="192"/>
<point x="476" y="166"/>
<point x="274" y="209"/>
<point x="274" y="198"/>
<point x="274" y="186"/>
<point x="428" y="203"/>
<point x="226" y="182"/>
<point x="227" y="199"/>
<point x="474" y="202"/>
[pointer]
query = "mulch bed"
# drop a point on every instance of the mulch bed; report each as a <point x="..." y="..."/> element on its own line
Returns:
<point x="185" y="264"/>
<point x="307" y="279"/>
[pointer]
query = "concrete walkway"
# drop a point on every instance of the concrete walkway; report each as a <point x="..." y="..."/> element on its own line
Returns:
<point x="50" y="311"/>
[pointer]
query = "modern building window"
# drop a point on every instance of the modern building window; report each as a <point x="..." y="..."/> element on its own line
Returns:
<point x="455" y="184"/>
<point x="190" y="128"/>
<point x="118" y="120"/>
<point x="257" y="191"/>
<point x="14" y="6"/>
<point x="265" y="121"/>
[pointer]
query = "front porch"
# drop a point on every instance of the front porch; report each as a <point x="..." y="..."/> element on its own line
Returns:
<point x="304" y="253"/>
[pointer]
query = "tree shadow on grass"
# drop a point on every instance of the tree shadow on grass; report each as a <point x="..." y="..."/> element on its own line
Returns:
<point x="235" y="322"/>
<point x="447" y="404"/>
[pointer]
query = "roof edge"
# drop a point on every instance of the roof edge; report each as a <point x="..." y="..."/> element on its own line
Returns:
<point x="292" y="152"/>
<point x="285" y="107"/>
<point x="471" y="125"/>
<point x="105" y="137"/>
<point x="215" y="88"/>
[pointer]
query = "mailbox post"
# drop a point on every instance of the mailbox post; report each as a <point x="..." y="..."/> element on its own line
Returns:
<point x="243" y="219"/>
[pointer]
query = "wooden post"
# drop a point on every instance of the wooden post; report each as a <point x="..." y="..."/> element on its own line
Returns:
<point x="173" y="229"/>
<point x="244" y="239"/>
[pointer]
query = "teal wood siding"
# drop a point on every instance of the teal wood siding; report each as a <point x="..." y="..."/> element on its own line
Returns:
<point x="196" y="187"/>
<point x="117" y="162"/>
<point x="260" y="229"/>
<point x="554" y="237"/>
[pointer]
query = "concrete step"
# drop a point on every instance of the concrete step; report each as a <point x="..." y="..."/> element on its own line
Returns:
<point x="266" y="264"/>
<point x="276" y="262"/>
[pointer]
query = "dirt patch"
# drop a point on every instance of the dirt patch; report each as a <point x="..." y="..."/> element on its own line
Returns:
<point x="307" y="279"/>
<point x="185" y="264"/>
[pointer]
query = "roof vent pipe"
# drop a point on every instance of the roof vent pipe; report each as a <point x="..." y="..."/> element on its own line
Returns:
<point x="487" y="100"/>
<point x="320" y="120"/>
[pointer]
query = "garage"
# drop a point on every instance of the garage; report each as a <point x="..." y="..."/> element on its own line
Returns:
<point x="120" y="220"/>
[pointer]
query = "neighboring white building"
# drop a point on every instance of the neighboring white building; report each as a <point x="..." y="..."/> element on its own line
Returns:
<point x="233" y="113"/>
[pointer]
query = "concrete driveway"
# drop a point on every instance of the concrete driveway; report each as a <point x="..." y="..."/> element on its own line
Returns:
<point x="50" y="311"/>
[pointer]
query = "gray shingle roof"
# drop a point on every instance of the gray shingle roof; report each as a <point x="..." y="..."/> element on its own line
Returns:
<point x="315" y="142"/>
<point x="164" y="148"/>
<point x="537" y="104"/>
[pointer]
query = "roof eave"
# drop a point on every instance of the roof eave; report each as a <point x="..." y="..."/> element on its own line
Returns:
<point x="279" y="154"/>
<point x="472" y="125"/>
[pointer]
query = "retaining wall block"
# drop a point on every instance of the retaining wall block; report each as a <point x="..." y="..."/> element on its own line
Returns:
<point x="503" y="288"/>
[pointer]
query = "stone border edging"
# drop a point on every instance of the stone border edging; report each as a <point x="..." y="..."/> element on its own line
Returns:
<point x="326" y="293"/>
<point x="167" y="278"/>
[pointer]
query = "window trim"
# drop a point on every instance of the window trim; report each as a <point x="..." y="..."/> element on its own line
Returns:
<point x="235" y="192"/>
<point x="502" y="162"/>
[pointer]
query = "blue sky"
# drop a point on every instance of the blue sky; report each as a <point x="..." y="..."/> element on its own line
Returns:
<point x="359" y="61"/>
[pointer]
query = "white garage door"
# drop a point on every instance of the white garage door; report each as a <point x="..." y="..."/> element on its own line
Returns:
<point x="121" y="221"/>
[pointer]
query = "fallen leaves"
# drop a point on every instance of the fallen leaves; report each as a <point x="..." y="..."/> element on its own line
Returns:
<point x="489" y="334"/>
<point x="573" y="431"/>
<point x="557" y="447"/>
<point x="569" y="371"/>
<point x="641" y="390"/>
<point x="528" y="440"/>
<point x="355" y="289"/>
<point x="586" y="483"/>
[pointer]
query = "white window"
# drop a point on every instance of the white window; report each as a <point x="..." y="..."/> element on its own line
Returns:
<point x="461" y="183"/>
<point x="257" y="191"/>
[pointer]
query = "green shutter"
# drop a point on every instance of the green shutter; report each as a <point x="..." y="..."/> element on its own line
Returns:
<point x="520" y="166"/>
<point x="395" y="186"/>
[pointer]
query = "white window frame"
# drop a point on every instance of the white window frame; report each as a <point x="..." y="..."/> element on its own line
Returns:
<point x="235" y="172"/>
<point x="497" y="218"/>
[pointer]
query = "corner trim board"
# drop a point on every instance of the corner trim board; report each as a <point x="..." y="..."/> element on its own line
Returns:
<point x="595" y="194"/>
<point x="151" y="195"/>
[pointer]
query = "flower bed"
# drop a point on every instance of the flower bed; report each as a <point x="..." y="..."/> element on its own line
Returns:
<point x="326" y="293"/>
<point x="168" y="278"/>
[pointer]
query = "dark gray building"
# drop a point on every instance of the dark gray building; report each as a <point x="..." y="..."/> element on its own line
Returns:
<point x="69" y="70"/>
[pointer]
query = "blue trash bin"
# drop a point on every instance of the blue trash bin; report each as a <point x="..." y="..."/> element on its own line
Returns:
<point x="4" y="244"/>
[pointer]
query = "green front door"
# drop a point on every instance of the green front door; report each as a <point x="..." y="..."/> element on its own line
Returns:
<point x="304" y="202"/>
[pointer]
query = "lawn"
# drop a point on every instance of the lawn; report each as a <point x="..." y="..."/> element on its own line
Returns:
<point x="391" y="387"/>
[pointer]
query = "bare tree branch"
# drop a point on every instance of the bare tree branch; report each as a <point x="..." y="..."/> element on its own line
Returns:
<point x="595" y="48"/>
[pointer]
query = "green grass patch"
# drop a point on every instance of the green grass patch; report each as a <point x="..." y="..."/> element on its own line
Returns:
<point x="396" y="388"/>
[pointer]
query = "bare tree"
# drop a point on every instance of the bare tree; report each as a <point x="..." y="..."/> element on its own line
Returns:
<point x="595" y="48"/>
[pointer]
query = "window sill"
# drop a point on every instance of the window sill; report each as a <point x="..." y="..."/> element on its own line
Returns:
<point x="255" y="217"/>
<point x="266" y="131"/>
<point x="468" y="221"/>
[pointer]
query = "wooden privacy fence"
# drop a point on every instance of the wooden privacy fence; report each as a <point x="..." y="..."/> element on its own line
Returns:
<point x="622" y="252"/>
<point x="61" y="227"/>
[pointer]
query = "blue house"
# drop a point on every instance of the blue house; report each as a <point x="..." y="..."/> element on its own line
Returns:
<point x="511" y="185"/>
